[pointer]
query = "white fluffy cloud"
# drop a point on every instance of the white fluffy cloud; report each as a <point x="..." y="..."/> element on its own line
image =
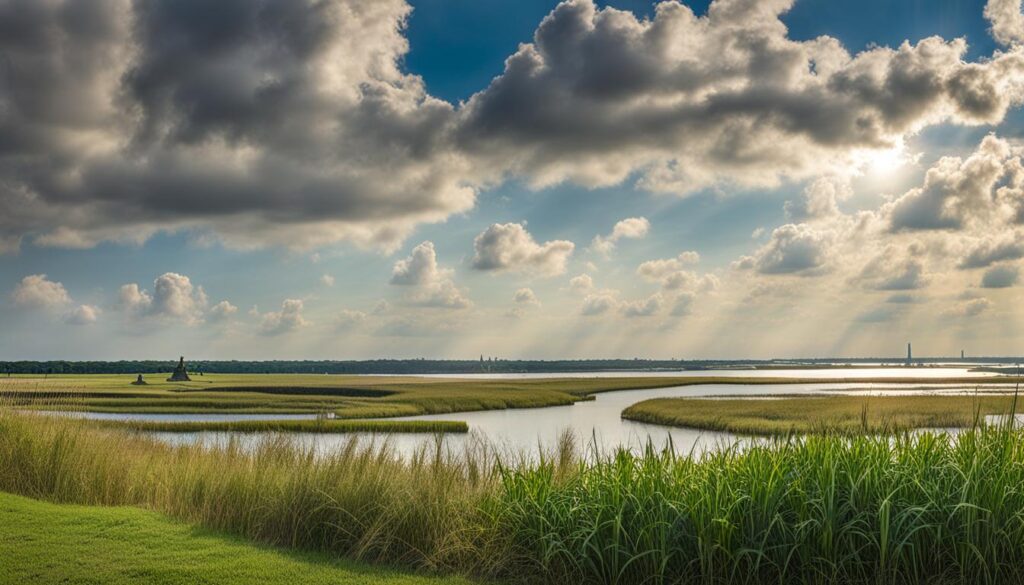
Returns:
<point x="508" y="246"/>
<point x="430" y="285"/>
<point x="599" y="302"/>
<point x="222" y="311"/>
<point x="36" y="291"/>
<point x="581" y="283"/>
<point x="83" y="315"/>
<point x="632" y="228"/>
<point x="987" y="187"/>
<point x="1007" y="20"/>
<point x="289" y="318"/>
<point x="174" y="298"/>
<point x="672" y="273"/>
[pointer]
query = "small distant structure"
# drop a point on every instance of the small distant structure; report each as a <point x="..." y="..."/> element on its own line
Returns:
<point x="139" y="381"/>
<point x="180" y="374"/>
<point x="961" y="355"/>
<point x="910" y="356"/>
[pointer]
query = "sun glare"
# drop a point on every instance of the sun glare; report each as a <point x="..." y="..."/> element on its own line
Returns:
<point x="883" y="162"/>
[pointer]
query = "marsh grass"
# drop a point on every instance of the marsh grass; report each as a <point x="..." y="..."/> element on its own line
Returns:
<point x="909" y="508"/>
<point x="822" y="414"/>
<point x="361" y="397"/>
<point x="291" y="426"/>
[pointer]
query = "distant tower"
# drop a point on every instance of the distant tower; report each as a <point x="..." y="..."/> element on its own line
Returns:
<point x="961" y="355"/>
<point x="909" y="355"/>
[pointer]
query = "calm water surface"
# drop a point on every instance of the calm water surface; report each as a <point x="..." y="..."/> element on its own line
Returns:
<point x="596" y="424"/>
<point x="824" y="373"/>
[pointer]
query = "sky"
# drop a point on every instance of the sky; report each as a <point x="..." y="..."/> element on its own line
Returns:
<point x="346" y="179"/>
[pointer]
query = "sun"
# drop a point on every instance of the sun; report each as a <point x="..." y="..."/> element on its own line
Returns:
<point x="885" y="161"/>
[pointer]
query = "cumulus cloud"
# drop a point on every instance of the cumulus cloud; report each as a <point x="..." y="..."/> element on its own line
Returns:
<point x="819" y="200"/>
<point x="991" y="250"/>
<point x="289" y="318"/>
<point x="652" y="305"/>
<point x="986" y="187"/>
<point x="430" y="285"/>
<point x="672" y="275"/>
<point x="1000" y="277"/>
<point x="284" y="122"/>
<point x="83" y="315"/>
<point x="508" y="246"/>
<point x="599" y="303"/>
<point x="690" y="100"/>
<point x="1007" y="20"/>
<point x="630" y="228"/>
<point x="581" y="283"/>
<point x="274" y="122"/>
<point x="174" y="298"/>
<point x="222" y="311"/>
<point x="36" y="291"/>
<point x="792" y="249"/>
<point x="327" y="280"/>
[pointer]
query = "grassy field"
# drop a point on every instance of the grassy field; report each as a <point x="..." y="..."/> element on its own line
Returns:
<point x="48" y="544"/>
<point x="822" y="509"/>
<point x="817" y="414"/>
<point x="352" y="397"/>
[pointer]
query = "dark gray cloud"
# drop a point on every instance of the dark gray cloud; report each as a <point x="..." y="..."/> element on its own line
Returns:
<point x="247" y="118"/>
<point x="1000" y="277"/>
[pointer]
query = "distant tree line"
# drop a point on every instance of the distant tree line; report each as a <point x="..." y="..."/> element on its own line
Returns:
<point x="425" y="366"/>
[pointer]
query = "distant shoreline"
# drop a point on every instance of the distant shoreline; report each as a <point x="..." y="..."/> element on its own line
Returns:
<point x="486" y="366"/>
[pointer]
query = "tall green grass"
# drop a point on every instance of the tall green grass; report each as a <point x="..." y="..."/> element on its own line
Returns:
<point x="914" y="508"/>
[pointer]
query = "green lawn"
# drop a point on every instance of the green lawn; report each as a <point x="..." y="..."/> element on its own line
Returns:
<point x="810" y="414"/>
<point x="43" y="543"/>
